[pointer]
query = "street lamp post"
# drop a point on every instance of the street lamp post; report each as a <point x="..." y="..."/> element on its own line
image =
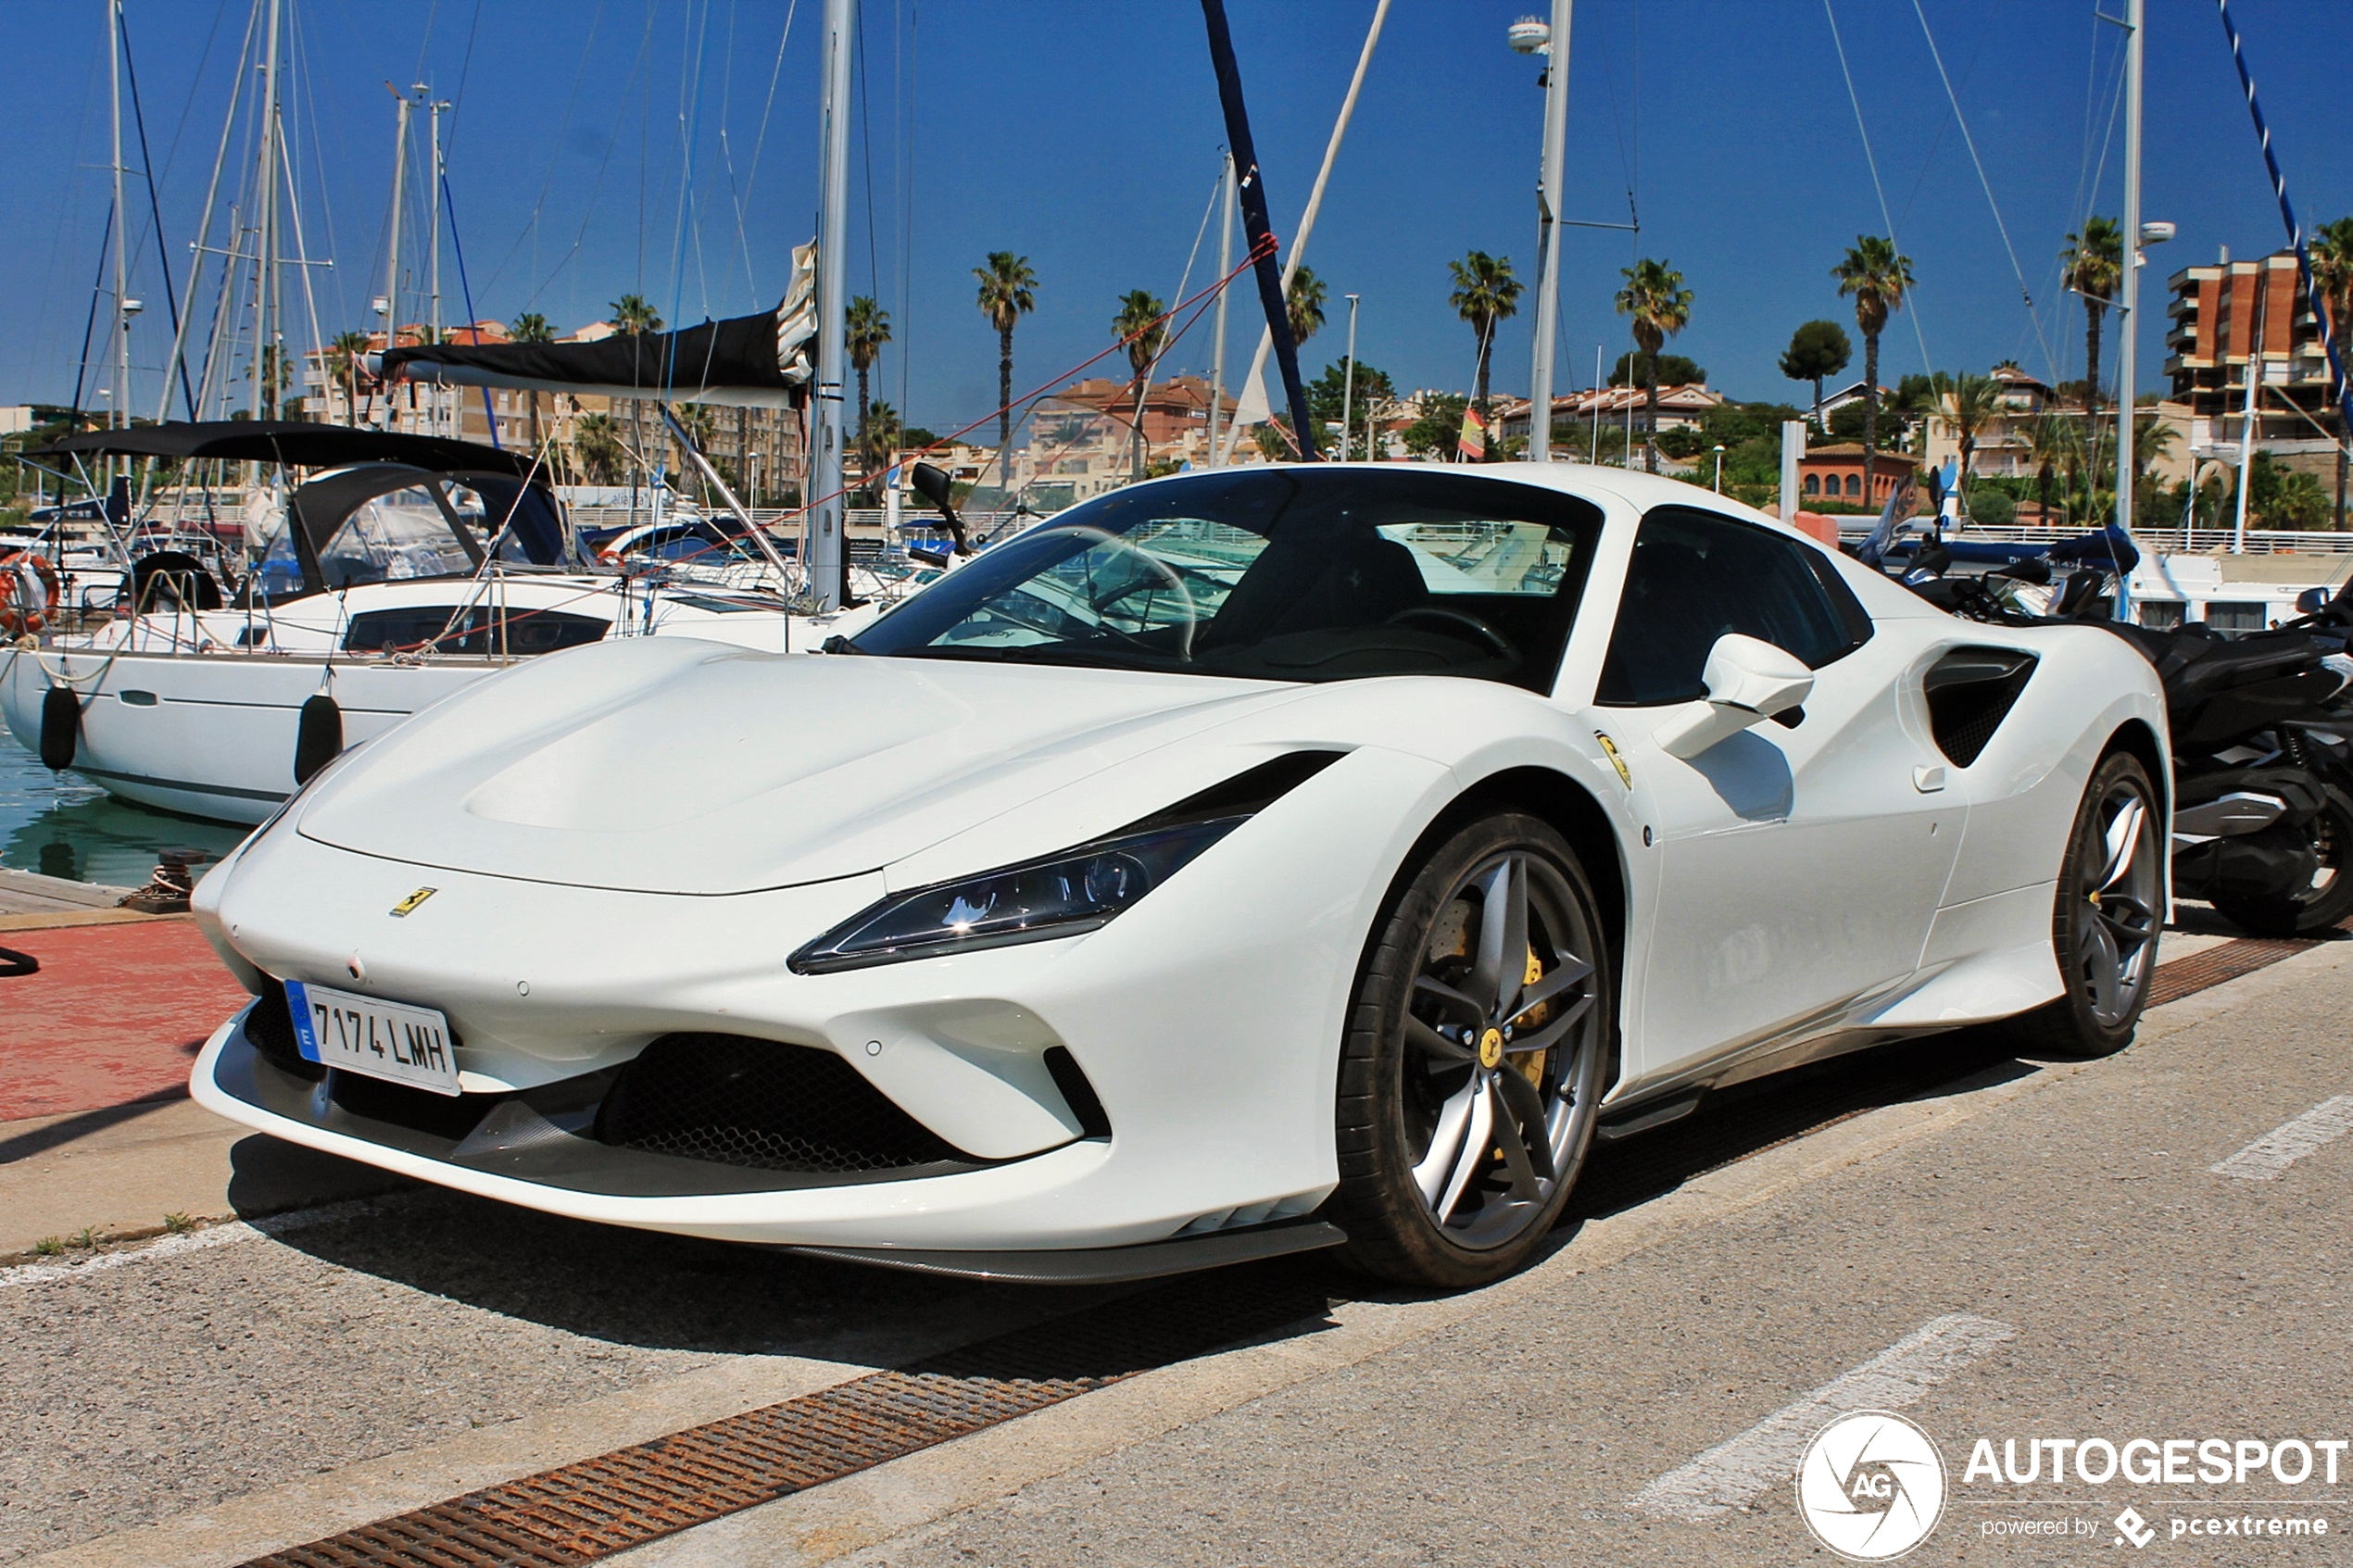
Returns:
<point x="1532" y="35"/>
<point x="1348" y="381"/>
<point x="1549" y="38"/>
<point x="1719" y="468"/>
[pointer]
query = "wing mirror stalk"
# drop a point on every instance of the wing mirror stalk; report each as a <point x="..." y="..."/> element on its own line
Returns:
<point x="933" y="485"/>
<point x="1748" y="682"/>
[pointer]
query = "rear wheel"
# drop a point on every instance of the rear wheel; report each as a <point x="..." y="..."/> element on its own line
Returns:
<point x="1475" y="1059"/>
<point x="2326" y="900"/>
<point x="2104" y="923"/>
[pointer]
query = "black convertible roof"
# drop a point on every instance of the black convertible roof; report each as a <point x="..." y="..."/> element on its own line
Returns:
<point x="293" y="443"/>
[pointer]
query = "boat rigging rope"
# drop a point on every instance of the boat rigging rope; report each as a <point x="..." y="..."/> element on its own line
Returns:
<point x="1871" y="159"/>
<point x="2295" y="230"/>
<point x="1984" y="184"/>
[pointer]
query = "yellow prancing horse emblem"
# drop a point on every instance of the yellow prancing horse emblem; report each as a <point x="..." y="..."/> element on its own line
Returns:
<point x="407" y="906"/>
<point x="1609" y="749"/>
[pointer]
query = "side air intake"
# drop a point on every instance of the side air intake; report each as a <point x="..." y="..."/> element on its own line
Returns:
<point x="1971" y="691"/>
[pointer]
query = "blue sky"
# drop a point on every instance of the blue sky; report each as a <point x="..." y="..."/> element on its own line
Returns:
<point x="1086" y="137"/>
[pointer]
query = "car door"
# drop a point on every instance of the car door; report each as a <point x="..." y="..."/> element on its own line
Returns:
<point x="1800" y="865"/>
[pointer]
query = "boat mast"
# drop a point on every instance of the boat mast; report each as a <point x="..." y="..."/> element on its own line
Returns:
<point x="2126" y="367"/>
<point x="829" y="549"/>
<point x="441" y="395"/>
<point x="1547" y="234"/>
<point x="265" y="315"/>
<point x="390" y="308"/>
<point x="1225" y="267"/>
<point x="118" y="413"/>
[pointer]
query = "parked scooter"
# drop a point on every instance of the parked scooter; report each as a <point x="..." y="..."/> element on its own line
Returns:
<point x="2262" y="727"/>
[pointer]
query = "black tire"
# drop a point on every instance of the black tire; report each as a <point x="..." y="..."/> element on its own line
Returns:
<point x="1423" y="1067"/>
<point x="2104" y="919"/>
<point x="2325" y="905"/>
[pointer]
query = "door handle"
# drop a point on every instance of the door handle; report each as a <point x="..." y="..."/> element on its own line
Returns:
<point x="1927" y="780"/>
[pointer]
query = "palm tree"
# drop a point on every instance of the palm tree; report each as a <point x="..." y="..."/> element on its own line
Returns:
<point x="1008" y="292"/>
<point x="1304" y="304"/>
<point x="1877" y="278"/>
<point x="1970" y="403"/>
<point x="1139" y="324"/>
<point x="700" y="421"/>
<point x="879" y="438"/>
<point x="531" y="327"/>
<point x="868" y="328"/>
<point x="1485" y="293"/>
<point x="597" y="442"/>
<point x="1660" y="307"/>
<point x="633" y="317"/>
<point x="2093" y="264"/>
<point x="2330" y="254"/>
<point x="2054" y="443"/>
<point x="346" y="359"/>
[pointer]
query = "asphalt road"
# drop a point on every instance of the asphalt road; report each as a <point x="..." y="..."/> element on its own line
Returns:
<point x="2002" y="1249"/>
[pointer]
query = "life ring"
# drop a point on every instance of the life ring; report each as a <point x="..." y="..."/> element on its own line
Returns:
<point x="28" y="593"/>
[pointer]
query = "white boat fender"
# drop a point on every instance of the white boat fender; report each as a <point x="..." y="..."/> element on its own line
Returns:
<point x="60" y="727"/>
<point x="318" y="738"/>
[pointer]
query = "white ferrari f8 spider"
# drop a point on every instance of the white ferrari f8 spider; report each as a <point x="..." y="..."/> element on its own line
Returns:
<point x="1243" y="862"/>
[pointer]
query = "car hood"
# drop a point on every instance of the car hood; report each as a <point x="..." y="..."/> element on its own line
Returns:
<point x="672" y="765"/>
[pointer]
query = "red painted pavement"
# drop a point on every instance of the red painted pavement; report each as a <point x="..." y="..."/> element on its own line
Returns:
<point x="117" y="1015"/>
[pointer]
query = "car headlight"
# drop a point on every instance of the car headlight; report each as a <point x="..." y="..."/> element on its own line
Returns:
<point x="1079" y="890"/>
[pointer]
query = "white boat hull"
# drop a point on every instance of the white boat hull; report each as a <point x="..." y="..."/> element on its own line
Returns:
<point x="212" y="736"/>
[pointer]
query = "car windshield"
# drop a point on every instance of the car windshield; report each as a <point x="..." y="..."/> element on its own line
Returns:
<point x="1283" y="575"/>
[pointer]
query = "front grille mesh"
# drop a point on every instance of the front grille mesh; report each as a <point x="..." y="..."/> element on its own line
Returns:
<point x="770" y="1107"/>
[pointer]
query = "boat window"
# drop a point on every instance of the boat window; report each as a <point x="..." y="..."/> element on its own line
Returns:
<point x="393" y="538"/>
<point x="2235" y="618"/>
<point x="1292" y="574"/>
<point x="410" y="628"/>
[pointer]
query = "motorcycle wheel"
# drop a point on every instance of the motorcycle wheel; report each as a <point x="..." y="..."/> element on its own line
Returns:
<point x="2323" y="905"/>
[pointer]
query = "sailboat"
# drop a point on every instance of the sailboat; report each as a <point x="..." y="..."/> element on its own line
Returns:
<point x="394" y="569"/>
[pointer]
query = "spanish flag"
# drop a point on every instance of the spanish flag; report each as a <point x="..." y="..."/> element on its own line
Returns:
<point x="1472" y="443"/>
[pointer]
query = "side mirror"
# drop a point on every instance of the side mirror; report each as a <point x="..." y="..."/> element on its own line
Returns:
<point x="1748" y="681"/>
<point x="933" y="484"/>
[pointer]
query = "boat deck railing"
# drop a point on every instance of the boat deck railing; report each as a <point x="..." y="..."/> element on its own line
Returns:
<point x="2159" y="541"/>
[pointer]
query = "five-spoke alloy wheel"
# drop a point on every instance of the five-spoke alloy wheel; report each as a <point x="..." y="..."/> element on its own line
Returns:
<point x="1475" y="1059"/>
<point x="2105" y="919"/>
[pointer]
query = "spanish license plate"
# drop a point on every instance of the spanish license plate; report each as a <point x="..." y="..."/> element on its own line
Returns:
<point x="379" y="1039"/>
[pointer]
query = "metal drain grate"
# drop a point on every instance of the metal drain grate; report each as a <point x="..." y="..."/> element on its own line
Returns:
<point x="579" y="1512"/>
<point x="2203" y="971"/>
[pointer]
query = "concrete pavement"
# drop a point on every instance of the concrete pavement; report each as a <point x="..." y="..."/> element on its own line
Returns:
<point x="219" y="1398"/>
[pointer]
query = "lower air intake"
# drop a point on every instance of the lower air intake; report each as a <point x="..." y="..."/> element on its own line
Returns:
<point x="737" y="1101"/>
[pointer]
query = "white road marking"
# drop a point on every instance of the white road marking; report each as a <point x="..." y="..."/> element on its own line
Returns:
<point x="2264" y="1159"/>
<point x="1766" y="1455"/>
<point x="184" y="1242"/>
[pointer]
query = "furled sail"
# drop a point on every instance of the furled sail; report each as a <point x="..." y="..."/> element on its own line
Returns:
<point x="759" y="360"/>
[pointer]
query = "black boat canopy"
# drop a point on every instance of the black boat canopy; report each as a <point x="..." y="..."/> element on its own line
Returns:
<point x="758" y="361"/>
<point x="293" y="444"/>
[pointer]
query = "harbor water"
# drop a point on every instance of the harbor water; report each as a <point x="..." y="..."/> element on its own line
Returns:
<point x="61" y="824"/>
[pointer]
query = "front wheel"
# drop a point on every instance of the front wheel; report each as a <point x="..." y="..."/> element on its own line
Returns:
<point x="2105" y="920"/>
<point x="1475" y="1059"/>
<point x="2322" y="903"/>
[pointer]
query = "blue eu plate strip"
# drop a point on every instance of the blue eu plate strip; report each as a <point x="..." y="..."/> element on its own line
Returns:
<point x="298" y="1005"/>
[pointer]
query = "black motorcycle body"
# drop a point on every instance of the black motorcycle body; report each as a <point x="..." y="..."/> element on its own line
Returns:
<point x="2262" y="739"/>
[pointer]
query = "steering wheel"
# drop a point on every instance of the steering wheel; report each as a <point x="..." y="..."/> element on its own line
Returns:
<point x="1478" y="626"/>
<point x="1184" y="597"/>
